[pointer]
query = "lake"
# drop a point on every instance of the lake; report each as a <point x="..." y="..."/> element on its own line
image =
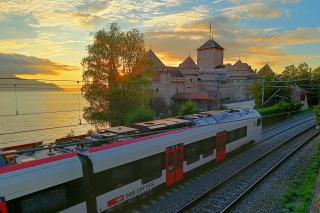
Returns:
<point x="28" y="104"/>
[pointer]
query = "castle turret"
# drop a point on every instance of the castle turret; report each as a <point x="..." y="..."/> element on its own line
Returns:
<point x="210" y="55"/>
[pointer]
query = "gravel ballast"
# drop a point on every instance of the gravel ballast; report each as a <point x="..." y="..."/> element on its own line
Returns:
<point x="267" y="196"/>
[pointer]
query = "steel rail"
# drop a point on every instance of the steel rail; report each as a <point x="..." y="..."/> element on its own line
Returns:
<point x="275" y="134"/>
<point x="203" y="195"/>
<point x="295" y="118"/>
<point x="255" y="184"/>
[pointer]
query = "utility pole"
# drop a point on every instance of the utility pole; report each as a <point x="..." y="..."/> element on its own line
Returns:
<point x="218" y="93"/>
<point x="262" y="95"/>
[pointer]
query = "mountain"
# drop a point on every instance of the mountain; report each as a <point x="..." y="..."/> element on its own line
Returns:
<point x="10" y="82"/>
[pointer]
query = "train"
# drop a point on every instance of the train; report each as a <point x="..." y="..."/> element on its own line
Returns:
<point x="122" y="163"/>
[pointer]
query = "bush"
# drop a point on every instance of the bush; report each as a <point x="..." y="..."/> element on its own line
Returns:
<point x="223" y="107"/>
<point x="140" y="115"/>
<point x="158" y="105"/>
<point x="279" y="108"/>
<point x="316" y="111"/>
<point x="174" y="108"/>
<point x="188" y="108"/>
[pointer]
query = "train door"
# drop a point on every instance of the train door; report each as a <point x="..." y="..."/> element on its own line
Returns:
<point x="174" y="164"/>
<point x="3" y="205"/>
<point x="221" y="141"/>
<point x="179" y="162"/>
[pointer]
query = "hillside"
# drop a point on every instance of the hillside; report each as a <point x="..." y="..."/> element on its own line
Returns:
<point x="8" y="82"/>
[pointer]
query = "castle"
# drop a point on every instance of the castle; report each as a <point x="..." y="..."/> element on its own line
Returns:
<point x="206" y="81"/>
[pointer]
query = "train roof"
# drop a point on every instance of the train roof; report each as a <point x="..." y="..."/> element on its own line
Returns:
<point x="121" y="129"/>
<point x="161" y="124"/>
<point x="122" y="135"/>
<point x="141" y="147"/>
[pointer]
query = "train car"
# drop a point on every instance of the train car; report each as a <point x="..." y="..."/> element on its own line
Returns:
<point x="49" y="184"/>
<point x="122" y="171"/>
<point x="101" y="178"/>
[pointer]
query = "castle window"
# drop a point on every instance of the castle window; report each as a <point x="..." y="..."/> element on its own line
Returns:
<point x="191" y="80"/>
<point x="177" y="90"/>
<point x="157" y="90"/>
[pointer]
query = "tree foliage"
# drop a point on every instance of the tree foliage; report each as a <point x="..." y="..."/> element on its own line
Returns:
<point x="292" y="72"/>
<point x="300" y="76"/>
<point x="159" y="105"/>
<point x="116" y="76"/>
<point x="316" y="72"/>
<point x="188" y="108"/>
<point x="140" y="114"/>
<point x="269" y="90"/>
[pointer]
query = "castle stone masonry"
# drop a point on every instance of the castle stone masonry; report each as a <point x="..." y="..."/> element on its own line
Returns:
<point x="204" y="81"/>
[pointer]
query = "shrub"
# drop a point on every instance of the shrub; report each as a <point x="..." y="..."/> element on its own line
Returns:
<point x="174" y="108"/>
<point x="316" y="111"/>
<point x="187" y="108"/>
<point x="141" y="114"/>
<point x="158" y="105"/>
<point x="279" y="108"/>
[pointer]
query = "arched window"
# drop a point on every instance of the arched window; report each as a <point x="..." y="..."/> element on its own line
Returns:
<point x="157" y="90"/>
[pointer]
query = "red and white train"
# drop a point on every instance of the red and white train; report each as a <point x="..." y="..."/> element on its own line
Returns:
<point x="107" y="174"/>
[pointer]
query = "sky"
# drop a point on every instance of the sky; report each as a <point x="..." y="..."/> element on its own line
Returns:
<point x="48" y="38"/>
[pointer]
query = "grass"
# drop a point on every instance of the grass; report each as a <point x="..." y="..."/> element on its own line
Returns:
<point x="300" y="193"/>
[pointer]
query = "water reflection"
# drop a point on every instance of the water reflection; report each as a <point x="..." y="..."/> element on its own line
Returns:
<point x="37" y="102"/>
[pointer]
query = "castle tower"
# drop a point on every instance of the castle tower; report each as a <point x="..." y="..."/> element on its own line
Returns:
<point x="210" y="55"/>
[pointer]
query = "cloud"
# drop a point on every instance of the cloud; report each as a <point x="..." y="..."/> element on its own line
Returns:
<point x="85" y="13"/>
<point x="17" y="26"/>
<point x="253" y="9"/>
<point x="21" y="64"/>
<point x="255" y="44"/>
<point x="179" y="18"/>
<point x="289" y="1"/>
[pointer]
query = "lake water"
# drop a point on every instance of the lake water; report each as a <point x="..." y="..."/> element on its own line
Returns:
<point x="26" y="102"/>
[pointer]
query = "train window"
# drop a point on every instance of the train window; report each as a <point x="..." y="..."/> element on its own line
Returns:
<point x="259" y="122"/>
<point x="121" y="175"/>
<point x="192" y="152"/>
<point x="49" y="200"/>
<point x="151" y="167"/>
<point x="111" y="179"/>
<point x="237" y="134"/>
<point x="208" y="146"/>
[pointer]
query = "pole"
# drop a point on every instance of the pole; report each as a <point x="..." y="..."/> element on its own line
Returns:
<point x="218" y="93"/>
<point x="262" y="95"/>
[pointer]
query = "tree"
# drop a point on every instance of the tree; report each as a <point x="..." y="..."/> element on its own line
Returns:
<point x="290" y="72"/>
<point x="188" y="108"/>
<point x="116" y="76"/>
<point x="141" y="114"/>
<point x="293" y="73"/>
<point x="316" y="72"/>
<point x="269" y="90"/>
<point x="159" y="105"/>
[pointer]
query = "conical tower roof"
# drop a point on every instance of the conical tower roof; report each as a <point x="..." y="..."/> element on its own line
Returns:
<point x="239" y="66"/>
<point x="154" y="58"/>
<point x="266" y="71"/>
<point x="188" y="63"/>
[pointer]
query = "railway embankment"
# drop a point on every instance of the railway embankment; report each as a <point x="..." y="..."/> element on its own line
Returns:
<point x="315" y="204"/>
<point x="293" y="187"/>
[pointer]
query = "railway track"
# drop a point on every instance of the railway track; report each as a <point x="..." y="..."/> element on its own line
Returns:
<point x="175" y="198"/>
<point x="275" y="130"/>
<point x="223" y="196"/>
